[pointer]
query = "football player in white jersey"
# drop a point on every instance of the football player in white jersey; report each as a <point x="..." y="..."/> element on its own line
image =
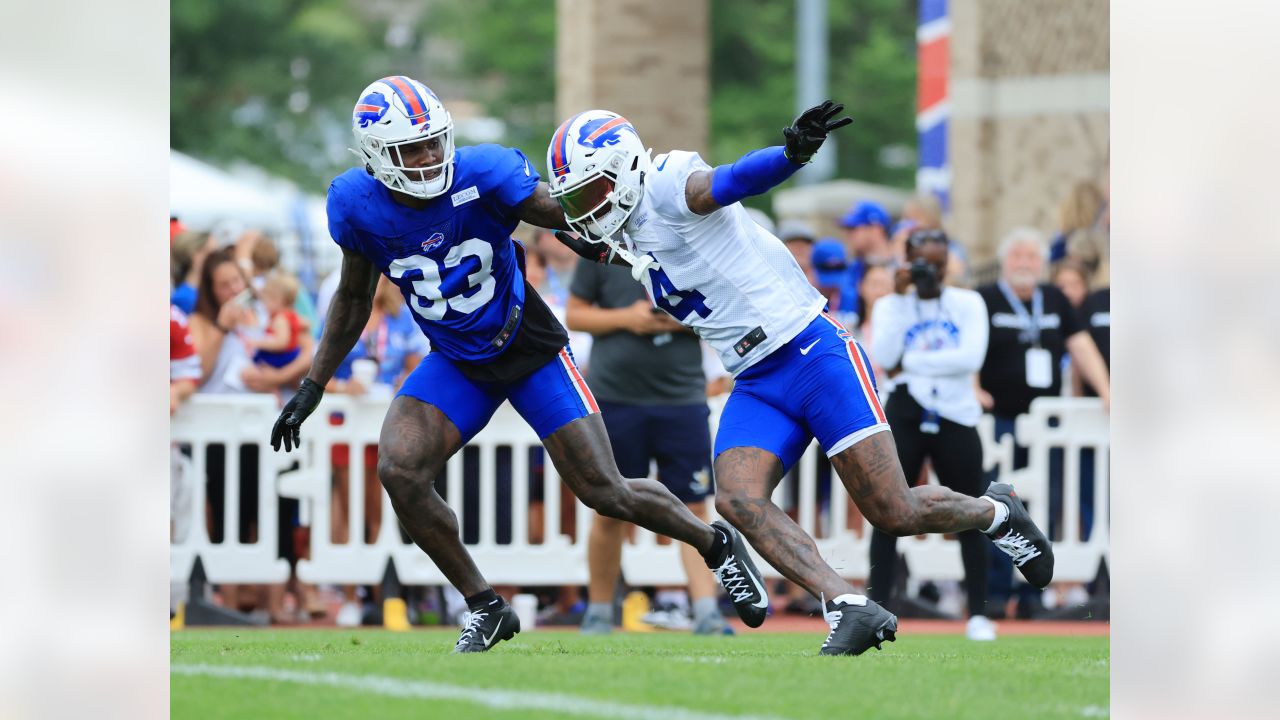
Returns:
<point x="679" y="224"/>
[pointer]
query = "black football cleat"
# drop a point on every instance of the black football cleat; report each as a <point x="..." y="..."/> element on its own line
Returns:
<point x="857" y="625"/>
<point x="1020" y="539"/>
<point x="487" y="627"/>
<point x="740" y="578"/>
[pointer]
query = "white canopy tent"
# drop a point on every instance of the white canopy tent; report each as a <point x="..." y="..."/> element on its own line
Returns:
<point x="208" y="198"/>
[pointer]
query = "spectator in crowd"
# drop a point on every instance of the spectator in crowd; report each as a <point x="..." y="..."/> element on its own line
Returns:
<point x="877" y="282"/>
<point x="1092" y="249"/>
<point x="646" y="374"/>
<point x="227" y="316"/>
<point x="187" y="252"/>
<point x="924" y="211"/>
<point x="831" y="272"/>
<point x="259" y="257"/>
<point x="1072" y="279"/>
<point x="1032" y="324"/>
<point x="552" y="266"/>
<point x="1096" y="313"/>
<point x="560" y="263"/>
<point x="280" y="345"/>
<point x="866" y="237"/>
<point x="184" y="363"/>
<point x="931" y="339"/>
<point x="799" y="238"/>
<point x="184" y="376"/>
<point x="1081" y="209"/>
<point x="898" y="239"/>
<point x="391" y="346"/>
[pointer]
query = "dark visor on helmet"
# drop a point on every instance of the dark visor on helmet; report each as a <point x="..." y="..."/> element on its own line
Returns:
<point x="587" y="198"/>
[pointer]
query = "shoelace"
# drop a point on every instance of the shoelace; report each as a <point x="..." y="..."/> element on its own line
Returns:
<point x="1017" y="547"/>
<point x="832" y="617"/>
<point x="735" y="583"/>
<point x="473" y="623"/>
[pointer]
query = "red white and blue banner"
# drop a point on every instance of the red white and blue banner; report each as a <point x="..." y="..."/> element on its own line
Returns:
<point x="933" y="41"/>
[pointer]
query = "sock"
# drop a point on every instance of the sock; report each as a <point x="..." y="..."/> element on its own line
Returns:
<point x="715" y="557"/>
<point x="1002" y="514"/>
<point x="600" y="609"/>
<point x="848" y="599"/>
<point x="705" y="607"/>
<point x="483" y="599"/>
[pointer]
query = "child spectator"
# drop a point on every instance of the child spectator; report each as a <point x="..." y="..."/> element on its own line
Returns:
<point x="280" y="345"/>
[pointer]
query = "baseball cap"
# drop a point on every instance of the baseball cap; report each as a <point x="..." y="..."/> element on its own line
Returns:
<point x="796" y="230"/>
<point x="829" y="262"/>
<point x="866" y="213"/>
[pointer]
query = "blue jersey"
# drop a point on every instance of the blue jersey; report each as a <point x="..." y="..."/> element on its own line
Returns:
<point x="454" y="261"/>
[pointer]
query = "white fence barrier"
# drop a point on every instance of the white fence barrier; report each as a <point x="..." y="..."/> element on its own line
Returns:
<point x="813" y="493"/>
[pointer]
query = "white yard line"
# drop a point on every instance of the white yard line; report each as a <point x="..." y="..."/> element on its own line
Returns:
<point x="499" y="699"/>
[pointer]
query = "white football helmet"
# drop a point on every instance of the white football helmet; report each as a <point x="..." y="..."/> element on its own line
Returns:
<point x="397" y="111"/>
<point x="596" y="165"/>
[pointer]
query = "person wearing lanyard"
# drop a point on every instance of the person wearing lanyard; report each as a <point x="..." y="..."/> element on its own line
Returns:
<point x="1032" y="324"/>
<point x="932" y="340"/>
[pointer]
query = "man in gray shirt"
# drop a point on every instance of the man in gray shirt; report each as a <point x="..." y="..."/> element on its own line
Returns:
<point x="646" y="374"/>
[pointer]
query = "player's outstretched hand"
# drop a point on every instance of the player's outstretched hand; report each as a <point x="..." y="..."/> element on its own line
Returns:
<point x="597" y="251"/>
<point x="286" y="429"/>
<point x="810" y="130"/>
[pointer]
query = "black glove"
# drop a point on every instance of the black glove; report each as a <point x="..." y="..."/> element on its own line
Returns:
<point x="295" y="411"/>
<point x="808" y="132"/>
<point x="597" y="251"/>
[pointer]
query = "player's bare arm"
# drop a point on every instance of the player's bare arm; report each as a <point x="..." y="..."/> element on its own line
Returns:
<point x="759" y="171"/>
<point x="348" y="314"/>
<point x="541" y="210"/>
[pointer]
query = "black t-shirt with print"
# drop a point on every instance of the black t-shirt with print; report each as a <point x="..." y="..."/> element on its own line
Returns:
<point x="1096" y="313"/>
<point x="1004" y="372"/>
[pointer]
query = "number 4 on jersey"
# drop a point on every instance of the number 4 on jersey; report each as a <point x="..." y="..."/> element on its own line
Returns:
<point x="686" y="301"/>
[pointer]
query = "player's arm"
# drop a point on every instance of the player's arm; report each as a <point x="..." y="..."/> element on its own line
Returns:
<point x="541" y="210"/>
<point x="759" y="171"/>
<point x="348" y="314"/>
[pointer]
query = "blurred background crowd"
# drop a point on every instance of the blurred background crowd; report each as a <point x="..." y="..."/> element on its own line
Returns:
<point x="261" y="95"/>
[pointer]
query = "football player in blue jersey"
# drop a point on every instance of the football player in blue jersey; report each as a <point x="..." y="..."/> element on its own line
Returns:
<point x="437" y="221"/>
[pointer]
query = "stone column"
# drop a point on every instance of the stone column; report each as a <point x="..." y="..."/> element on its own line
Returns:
<point x="647" y="61"/>
<point x="1030" y="112"/>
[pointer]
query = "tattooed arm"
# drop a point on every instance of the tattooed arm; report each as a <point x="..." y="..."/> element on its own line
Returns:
<point x="348" y="314"/>
<point x="539" y="209"/>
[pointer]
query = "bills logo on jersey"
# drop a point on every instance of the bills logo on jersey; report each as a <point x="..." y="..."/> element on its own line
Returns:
<point x="603" y="131"/>
<point x="371" y="109"/>
<point x="432" y="242"/>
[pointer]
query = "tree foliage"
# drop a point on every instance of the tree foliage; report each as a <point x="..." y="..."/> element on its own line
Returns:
<point x="273" y="82"/>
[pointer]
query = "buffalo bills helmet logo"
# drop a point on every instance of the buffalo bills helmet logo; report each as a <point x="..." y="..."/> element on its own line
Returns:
<point x="370" y="109"/>
<point x="603" y="131"/>
<point x="432" y="242"/>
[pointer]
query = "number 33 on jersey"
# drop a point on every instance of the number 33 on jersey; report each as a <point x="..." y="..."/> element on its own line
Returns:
<point x="454" y="261"/>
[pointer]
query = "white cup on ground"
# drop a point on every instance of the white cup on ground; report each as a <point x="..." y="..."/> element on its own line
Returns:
<point x="526" y="607"/>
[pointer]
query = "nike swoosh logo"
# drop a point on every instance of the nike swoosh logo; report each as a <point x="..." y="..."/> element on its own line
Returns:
<point x="663" y="163"/>
<point x="805" y="350"/>
<point x="764" y="599"/>
<point x="489" y="640"/>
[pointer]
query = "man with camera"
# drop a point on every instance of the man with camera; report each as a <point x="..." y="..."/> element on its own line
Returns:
<point x="932" y="339"/>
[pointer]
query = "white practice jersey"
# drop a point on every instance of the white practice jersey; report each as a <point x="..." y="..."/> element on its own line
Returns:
<point x="723" y="275"/>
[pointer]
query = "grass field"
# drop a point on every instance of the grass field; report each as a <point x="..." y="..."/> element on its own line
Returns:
<point x="232" y="673"/>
